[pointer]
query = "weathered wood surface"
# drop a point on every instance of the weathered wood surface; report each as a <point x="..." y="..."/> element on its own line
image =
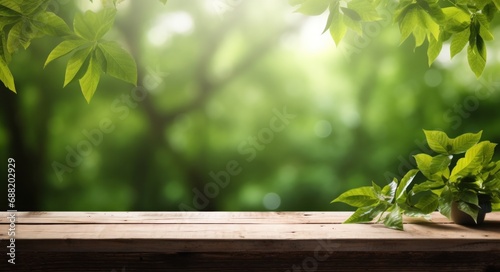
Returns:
<point x="244" y="241"/>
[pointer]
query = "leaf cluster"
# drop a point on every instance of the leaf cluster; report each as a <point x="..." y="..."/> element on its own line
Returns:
<point x="462" y="22"/>
<point x="22" y="21"/>
<point x="473" y="183"/>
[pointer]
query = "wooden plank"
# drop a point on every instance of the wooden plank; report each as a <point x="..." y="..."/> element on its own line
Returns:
<point x="252" y="231"/>
<point x="245" y="241"/>
<point x="255" y="262"/>
<point x="209" y="236"/>
<point x="198" y="217"/>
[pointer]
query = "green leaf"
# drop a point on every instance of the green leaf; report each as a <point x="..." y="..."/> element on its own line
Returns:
<point x="404" y="183"/>
<point x="474" y="158"/>
<point x="7" y="12"/>
<point x="6" y="76"/>
<point x="366" y="214"/>
<point x="355" y="25"/>
<point x="75" y="63"/>
<point x="63" y="49"/>
<point x="119" y="62"/>
<point x="351" y="14"/>
<point x="29" y="7"/>
<point x="394" y="219"/>
<point x="337" y="28"/>
<point x="358" y="197"/>
<point x="484" y="27"/>
<point x="434" y="49"/>
<point x="50" y="24"/>
<point x="495" y="207"/>
<point x="489" y="11"/>
<point x="457" y="19"/>
<point x="497" y="3"/>
<point x="458" y="42"/>
<point x="445" y="199"/>
<point x="18" y="37"/>
<point x="424" y="164"/>
<point x="4" y="52"/>
<point x="389" y="191"/>
<point x="12" y="5"/>
<point x="408" y="22"/>
<point x="427" y="186"/>
<point x="90" y="80"/>
<point x="439" y="164"/>
<point x="331" y="14"/>
<point x="365" y="9"/>
<point x="164" y="1"/>
<point x="469" y="209"/>
<point x="481" y="3"/>
<point x="426" y="201"/>
<point x="476" y="61"/>
<point x="469" y="197"/>
<point x="92" y="26"/>
<point x="313" y="7"/>
<point x="465" y="141"/>
<point x="429" y="24"/>
<point x="438" y="141"/>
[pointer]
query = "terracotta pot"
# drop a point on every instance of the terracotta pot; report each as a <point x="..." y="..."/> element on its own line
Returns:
<point x="462" y="218"/>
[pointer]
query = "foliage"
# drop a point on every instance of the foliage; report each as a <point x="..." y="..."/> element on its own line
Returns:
<point x="463" y="22"/>
<point x="473" y="182"/>
<point x="22" y="21"/>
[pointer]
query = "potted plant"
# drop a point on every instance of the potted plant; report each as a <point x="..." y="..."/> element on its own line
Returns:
<point x="460" y="181"/>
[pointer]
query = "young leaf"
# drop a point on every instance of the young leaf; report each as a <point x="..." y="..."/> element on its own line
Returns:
<point x="438" y="141"/>
<point x="458" y="42"/>
<point x="75" y="63"/>
<point x="456" y="20"/>
<point x="337" y="27"/>
<point x="365" y="9"/>
<point x="119" y="62"/>
<point x="90" y="80"/>
<point x="389" y="191"/>
<point x="50" y="24"/>
<point x="465" y="141"/>
<point x="18" y="37"/>
<point x="313" y="7"/>
<point x="474" y="158"/>
<point x="404" y="183"/>
<point x="408" y="22"/>
<point x="434" y="49"/>
<point x="358" y="197"/>
<point x="92" y="26"/>
<point x="63" y="49"/>
<point x="438" y="164"/>
<point x="429" y="24"/>
<point x="424" y="164"/>
<point x="394" y="219"/>
<point x="6" y="76"/>
<point x="366" y="214"/>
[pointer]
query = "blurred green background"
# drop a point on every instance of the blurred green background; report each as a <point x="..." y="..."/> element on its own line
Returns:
<point x="243" y="105"/>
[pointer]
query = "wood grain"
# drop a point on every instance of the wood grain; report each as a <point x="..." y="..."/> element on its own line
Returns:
<point x="245" y="241"/>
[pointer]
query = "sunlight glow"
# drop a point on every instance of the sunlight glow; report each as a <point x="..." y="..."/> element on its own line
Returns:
<point x="168" y="25"/>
